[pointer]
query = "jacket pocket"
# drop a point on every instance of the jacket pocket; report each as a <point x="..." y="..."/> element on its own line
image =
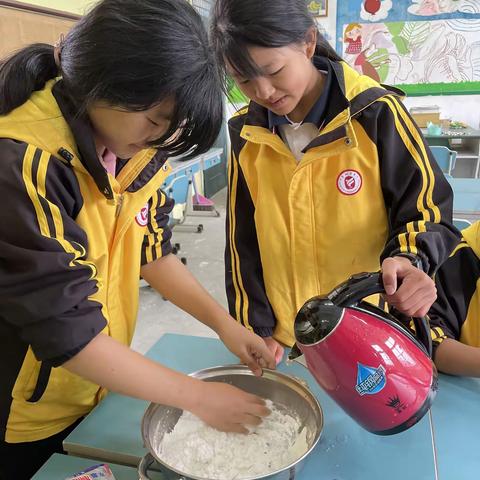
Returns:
<point x="42" y="382"/>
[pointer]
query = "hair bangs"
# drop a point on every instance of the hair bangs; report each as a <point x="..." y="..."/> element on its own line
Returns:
<point x="236" y="54"/>
<point x="197" y="116"/>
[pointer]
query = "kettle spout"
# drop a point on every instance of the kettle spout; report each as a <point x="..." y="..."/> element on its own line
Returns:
<point x="295" y="355"/>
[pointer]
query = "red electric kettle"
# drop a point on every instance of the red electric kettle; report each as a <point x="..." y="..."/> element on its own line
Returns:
<point x="371" y="364"/>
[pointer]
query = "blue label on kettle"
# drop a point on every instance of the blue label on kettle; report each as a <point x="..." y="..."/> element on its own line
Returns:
<point x="370" y="380"/>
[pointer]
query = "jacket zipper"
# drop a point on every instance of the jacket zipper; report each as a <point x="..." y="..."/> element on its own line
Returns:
<point x="119" y="205"/>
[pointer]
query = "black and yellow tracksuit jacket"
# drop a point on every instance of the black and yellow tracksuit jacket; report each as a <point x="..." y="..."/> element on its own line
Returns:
<point x="456" y="312"/>
<point x="72" y="241"/>
<point x="295" y="230"/>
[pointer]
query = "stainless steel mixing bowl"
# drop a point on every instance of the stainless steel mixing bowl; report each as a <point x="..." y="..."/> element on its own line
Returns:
<point x="289" y="391"/>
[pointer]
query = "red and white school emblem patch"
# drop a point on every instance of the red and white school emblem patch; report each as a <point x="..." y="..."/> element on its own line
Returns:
<point x="349" y="182"/>
<point x="142" y="217"/>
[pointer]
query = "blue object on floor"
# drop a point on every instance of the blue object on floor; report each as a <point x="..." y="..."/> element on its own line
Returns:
<point x="445" y="158"/>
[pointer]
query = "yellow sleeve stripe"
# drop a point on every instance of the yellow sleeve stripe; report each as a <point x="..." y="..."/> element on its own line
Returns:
<point x="27" y="172"/>
<point x="232" y="189"/>
<point x="151" y="235"/>
<point x="241" y="314"/>
<point x="158" y="246"/>
<point x="156" y="202"/>
<point x="412" y="233"/>
<point x="36" y="190"/>
<point x="424" y="157"/>
<point x="408" y="144"/>
<point x="402" y="239"/>
<point x="148" y="249"/>
<point x="437" y="334"/>
<point x="407" y="240"/>
<point x="411" y="237"/>
<point x="461" y="245"/>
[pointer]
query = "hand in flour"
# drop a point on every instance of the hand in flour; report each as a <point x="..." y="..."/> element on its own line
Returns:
<point x="248" y="347"/>
<point x="229" y="409"/>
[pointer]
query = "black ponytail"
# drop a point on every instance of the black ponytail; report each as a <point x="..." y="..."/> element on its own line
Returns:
<point x="131" y="54"/>
<point x="238" y="24"/>
<point x="23" y="73"/>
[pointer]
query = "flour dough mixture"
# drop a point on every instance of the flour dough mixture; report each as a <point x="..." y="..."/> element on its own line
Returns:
<point x="194" y="447"/>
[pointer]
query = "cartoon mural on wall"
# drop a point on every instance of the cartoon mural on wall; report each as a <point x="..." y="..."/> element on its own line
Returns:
<point x="415" y="52"/>
<point x="428" y="8"/>
<point x="424" y="46"/>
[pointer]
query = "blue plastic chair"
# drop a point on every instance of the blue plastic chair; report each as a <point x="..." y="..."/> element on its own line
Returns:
<point x="461" y="223"/>
<point x="445" y="158"/>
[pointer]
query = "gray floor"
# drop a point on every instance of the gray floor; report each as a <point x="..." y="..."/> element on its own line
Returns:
<point x="204" y="254"/>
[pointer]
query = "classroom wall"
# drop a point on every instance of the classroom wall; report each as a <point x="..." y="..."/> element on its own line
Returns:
<point x="73" y="6"/>
<point x="464" y="108"/>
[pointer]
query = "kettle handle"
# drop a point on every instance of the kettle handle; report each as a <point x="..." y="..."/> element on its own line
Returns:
<point x="356" y="288"/>
<point x="361" y="285"/>
<point x="422" y="332"/>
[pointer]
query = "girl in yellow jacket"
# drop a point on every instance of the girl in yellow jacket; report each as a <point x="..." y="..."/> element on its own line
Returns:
<point x="328" y="174"/>
<point x="455" y="315"/>
<point x="85" y="130"/>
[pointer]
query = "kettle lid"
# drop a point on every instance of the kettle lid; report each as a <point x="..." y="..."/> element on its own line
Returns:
<point x="316" y="319"/>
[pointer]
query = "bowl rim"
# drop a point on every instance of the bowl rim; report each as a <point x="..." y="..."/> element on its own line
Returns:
<point x="237" y="369"/>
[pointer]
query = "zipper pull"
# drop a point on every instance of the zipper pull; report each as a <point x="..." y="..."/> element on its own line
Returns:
<point x="119" y="205"/>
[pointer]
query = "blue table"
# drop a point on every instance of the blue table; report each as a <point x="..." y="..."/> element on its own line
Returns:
<point x="60" y="467"/>
<point x="345" y="451"/>
<point x="457" y="428"/>
<point x="466" y="195"/>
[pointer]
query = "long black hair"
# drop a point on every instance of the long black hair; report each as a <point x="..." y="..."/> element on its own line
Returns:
<point x="131" y="54"/>
<point x="239" y="24"/>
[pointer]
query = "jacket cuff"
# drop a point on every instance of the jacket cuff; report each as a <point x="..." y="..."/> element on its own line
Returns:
<point x="264" y="331"/>
<point x="70" y="337"/>
<point x="435" y="344"/>
<point x="420" y="261"/>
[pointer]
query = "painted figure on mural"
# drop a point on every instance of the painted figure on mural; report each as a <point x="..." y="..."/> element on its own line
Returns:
<point x="429" y="7"/>
<point x="353" y="38"/>
<point x="364" y="66"/>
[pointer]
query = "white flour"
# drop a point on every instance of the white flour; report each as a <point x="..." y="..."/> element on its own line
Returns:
<point x="197" y="449"/>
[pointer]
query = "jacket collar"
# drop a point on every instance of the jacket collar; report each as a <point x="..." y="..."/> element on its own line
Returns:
<point x="84" y="139"/>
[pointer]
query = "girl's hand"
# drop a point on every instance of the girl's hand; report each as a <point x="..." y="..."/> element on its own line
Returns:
<point x="275" y="348"/>
<point x="227" y="408"/>
<point x="417" y="291"/>
<point x="248" y="347"/>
